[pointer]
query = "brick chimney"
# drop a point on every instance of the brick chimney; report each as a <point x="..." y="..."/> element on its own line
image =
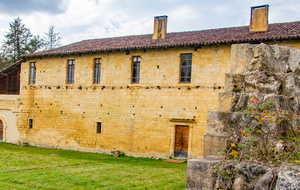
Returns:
<point x="259" y="19"/>
<point x="160" y="27"/>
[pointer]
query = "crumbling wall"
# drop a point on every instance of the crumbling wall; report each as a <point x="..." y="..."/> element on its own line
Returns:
<point x="266" y="73"/>
<point x="201" y="174"/>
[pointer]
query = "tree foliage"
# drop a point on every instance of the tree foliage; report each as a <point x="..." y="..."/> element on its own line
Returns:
<point x="52" y="39"/>
<point x="35" y="44"/>
<point x="18" y="41"/>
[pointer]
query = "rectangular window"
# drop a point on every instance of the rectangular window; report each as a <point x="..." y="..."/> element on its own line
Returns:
<point x="32" y="73"/>
<point x="71" y="69"/>
<point x="98" y="127"/>
<point x="185" y="68"/>
<point x="97" y="71"/>
<point x="30" y="123"/>
<point x="136" y="69"/>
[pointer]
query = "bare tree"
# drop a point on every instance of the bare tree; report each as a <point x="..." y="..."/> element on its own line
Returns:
<point x="52" y="40"/>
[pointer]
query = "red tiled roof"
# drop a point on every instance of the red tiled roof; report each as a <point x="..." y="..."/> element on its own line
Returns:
<point x="279" y="31"/>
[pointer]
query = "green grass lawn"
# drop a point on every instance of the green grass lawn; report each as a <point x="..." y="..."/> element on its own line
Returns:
<point x="35" y="168"/>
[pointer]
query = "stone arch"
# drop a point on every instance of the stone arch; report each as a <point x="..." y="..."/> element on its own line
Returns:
<point x="4" y="126"/>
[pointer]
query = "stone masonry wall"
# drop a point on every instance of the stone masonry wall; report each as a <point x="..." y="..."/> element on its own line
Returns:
<point x="135" y="118"/>
<point x="268" y="73"/>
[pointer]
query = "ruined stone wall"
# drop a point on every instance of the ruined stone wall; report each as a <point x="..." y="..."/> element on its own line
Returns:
<point x="269" y="71"/>
<point x="266" y="72"/>
<point x="135" y="118"/>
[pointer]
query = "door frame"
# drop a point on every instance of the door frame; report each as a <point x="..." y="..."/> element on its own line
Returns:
<point x="4" y="128"/>
<point x="173" y="133"/>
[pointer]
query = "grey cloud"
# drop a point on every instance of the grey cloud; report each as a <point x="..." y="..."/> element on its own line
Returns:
<point x="13" y="7"/>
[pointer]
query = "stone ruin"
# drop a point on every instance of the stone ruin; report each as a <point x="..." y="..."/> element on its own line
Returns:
<point x="268" y="73"/>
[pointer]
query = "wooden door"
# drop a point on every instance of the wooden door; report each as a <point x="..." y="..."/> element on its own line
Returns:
<point x="181" y="141"/>
<point x="1" y="131"/>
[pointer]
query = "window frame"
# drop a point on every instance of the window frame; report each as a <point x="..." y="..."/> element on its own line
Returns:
<point x="32" y="73"/>
<point x="98" y="127"/>
<point x="97" y="79"/>
<point x="70" y="79"/>
<point x="135" y="75"/>
<point x="30" y="123"/>
<point x="185" y="78"/>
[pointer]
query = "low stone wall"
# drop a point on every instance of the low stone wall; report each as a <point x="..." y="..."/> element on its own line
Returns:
<point x="202" y="175"/>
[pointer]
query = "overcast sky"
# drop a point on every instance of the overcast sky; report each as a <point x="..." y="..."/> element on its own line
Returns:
<point x="78" y="20"/>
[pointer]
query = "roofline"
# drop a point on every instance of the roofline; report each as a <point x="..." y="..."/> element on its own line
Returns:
<point x="12" y="65"/>
<point x="195" y="44"/>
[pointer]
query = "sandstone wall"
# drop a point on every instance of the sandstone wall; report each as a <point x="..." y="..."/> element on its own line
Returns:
<point x="138" y="119"/>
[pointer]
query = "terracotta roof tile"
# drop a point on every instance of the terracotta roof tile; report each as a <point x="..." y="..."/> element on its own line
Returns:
<point x="279" y="31"/>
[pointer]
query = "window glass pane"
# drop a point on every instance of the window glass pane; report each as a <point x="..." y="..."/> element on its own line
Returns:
<point x="133" y="72"/>
<point x="189" y="71"/>
<point x="32" y="73"/>
<point x="186" y="68"/>
<point x="138" y="73"/>
<point x="182" y="72"/>
<point x="97" y="71"/>
<point x="135" y="69"/>
<point x="71" y="69"/>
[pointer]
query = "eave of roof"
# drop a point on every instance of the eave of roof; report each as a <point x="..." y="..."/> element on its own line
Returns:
<point x="11" y="68"/>
<point x="278" y="31"/>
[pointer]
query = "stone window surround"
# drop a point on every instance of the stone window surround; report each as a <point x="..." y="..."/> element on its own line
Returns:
<point x="135" y="60"/>
<point x="180" y="67"/>
<point x="97" y="70"/>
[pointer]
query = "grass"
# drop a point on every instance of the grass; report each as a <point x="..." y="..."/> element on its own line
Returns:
<point x="38" y="168"/>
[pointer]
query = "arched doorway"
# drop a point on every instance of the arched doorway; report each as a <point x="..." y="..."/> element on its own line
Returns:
<point x="1" y="130"/>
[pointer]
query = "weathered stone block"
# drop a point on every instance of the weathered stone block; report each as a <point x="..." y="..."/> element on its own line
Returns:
<point x="234" y="82"/>
<point x="263" y="82"/>
<point x="241" y="54"/>
<point x="216" y="123"/>
<point x="290" y="84"/>
<point x="201" y="174"/>
<point x="213" y="145"/>
<point x="288" y="181"/>
<point x="226" y="100"/>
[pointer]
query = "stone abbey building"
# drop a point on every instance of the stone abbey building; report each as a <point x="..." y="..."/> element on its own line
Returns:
<point x="145" y="95"/>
